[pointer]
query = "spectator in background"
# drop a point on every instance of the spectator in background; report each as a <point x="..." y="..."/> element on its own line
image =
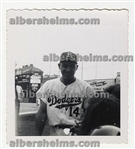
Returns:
<point x="19" y="92"/>
<point x="114" y="90"/>
<point x="18" y="98"/>
<point x="105" y="112"/>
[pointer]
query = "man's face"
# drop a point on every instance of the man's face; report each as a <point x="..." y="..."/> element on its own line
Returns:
<point x="68" y="69"/>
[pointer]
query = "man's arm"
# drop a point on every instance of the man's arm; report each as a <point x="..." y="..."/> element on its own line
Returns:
<point x="41" y="118"/>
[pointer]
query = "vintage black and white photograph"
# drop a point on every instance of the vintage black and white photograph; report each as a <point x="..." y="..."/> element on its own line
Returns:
<point x="69" y="73"/>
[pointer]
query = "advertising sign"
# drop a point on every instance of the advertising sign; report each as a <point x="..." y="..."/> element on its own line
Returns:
<point x="36" y="78"/>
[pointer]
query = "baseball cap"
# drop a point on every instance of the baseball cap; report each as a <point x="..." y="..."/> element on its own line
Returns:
<point x="68" y="56"/>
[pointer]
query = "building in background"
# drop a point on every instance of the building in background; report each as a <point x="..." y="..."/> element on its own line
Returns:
<point x="100" y="84"/>
<point x="30" y="79"/>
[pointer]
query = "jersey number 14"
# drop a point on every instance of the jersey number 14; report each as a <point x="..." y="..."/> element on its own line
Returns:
<point x="74" y="111"/>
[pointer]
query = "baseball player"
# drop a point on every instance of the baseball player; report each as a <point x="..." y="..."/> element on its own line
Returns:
<point x="63" y="100"/>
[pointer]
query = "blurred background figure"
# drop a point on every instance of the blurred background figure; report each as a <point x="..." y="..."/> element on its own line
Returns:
<point x="19" y="92"/>
<point x="114" y="90"/>
<point x="103" y="111"/>
<point x="18" y="98"/>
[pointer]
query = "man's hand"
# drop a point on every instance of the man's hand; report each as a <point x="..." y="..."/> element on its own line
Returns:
<point x="41" y="117"/>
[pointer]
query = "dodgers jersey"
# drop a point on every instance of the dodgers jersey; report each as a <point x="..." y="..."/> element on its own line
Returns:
<point x="65" y="104"/>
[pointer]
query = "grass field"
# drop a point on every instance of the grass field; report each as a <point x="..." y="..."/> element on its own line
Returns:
<point x="27" y="121"/>
<point x="27" y="107"/>
<point x="27" y="126"/>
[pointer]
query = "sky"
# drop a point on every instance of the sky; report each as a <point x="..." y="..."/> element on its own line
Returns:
<point x="27" y="44"/>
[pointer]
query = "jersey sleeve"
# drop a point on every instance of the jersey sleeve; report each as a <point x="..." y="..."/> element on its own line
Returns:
<point x="89" y="94"/>
<point x="42" y="93"/>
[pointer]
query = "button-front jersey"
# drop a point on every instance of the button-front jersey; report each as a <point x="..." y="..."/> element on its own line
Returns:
<point x="65" y="104"/>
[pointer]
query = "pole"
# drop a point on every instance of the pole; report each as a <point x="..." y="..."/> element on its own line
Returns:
<point x="96" y="72"/>
<point x="49" y="68"/>
<point x="82" y="71"/>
